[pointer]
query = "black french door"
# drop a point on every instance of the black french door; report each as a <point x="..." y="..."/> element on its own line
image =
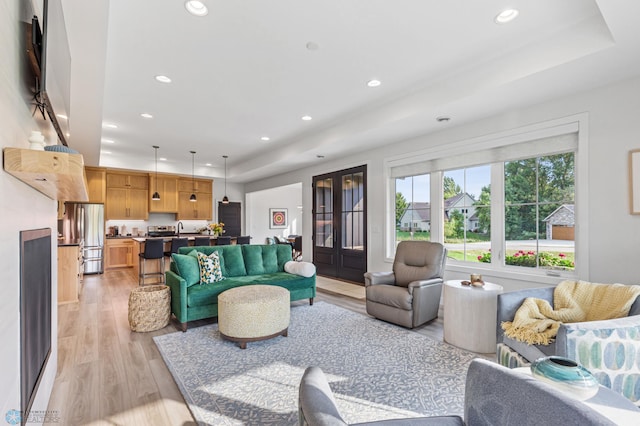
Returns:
<point x="340" y="223"/>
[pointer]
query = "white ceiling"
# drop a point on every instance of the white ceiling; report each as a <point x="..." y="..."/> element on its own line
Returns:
<point x="244" y="71"/>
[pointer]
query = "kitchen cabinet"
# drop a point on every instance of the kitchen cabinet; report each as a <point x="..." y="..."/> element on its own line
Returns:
<point x="202" y="209"/>
<point x="69" y="273"/>
<point x="96" y="184"/>
<point x="167" y="187"/>
<point x="198" y="185"/>
<point x="119" y="253"/>
<point x="127" y="196"/>
<point x="127" y="180"/>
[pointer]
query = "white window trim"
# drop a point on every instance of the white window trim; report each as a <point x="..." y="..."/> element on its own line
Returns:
<point x="577" y="122"/>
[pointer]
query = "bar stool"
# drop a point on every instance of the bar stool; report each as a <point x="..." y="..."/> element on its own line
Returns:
<point x="176" y="243"/>
<point x="153" y="250"/>
<point x="223" y="241"/>
<point x="244" y="239"/>
<point x="202" y="241"/>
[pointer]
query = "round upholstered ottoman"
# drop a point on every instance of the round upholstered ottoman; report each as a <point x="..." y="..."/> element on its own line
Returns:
<point x="254" y="312"/>
<point x="149" y="307"/>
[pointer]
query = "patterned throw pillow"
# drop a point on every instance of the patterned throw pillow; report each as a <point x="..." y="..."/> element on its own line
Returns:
<point x="210" y="270"/>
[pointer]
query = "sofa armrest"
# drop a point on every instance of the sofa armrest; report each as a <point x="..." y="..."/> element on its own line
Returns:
<point x="607" y="348"/>
<point x="178" y="287"/>
<point x="508" y="304"/>
<point x="413" y="285"/>
<point x="375" y="278"/>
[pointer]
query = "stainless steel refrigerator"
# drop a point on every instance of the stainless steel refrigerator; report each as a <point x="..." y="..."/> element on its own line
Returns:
<point x="85" y="223"/>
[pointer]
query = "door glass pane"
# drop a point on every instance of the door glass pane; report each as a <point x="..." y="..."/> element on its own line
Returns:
<point x="324" y="230"/>
<point x="352" y="211"/>
<point x="324" y="211"/>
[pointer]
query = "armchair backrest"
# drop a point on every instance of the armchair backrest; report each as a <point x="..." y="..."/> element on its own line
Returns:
<point x="418" y="260"/>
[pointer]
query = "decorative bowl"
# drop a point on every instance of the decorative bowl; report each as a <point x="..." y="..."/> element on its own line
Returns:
<point x="565" y="375"/>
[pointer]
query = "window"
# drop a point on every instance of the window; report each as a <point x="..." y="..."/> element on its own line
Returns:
<point x="413" y="210"/>
<point x="467" y="212"/>
<point x="539" y="214"/>
<point x="509" y="202"/>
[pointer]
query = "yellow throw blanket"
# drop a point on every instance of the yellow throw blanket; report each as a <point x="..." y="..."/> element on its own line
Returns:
<point x="537" y="323"/>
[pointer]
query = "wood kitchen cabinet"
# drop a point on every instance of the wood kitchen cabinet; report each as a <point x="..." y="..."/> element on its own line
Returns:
<point x="127" y="196"/>
<point x="96" y="184"/>
<point x="119" y="253"/>
<point x="69" y="274"/>
<point x="202" y="209"/>
<point x="167" y="187"/>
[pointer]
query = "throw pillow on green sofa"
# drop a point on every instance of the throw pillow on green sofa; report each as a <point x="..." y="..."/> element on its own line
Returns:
<point x="210" y="271"/>
<point x="188" y="268"/>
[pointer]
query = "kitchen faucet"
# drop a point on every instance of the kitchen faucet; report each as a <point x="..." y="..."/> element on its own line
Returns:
<point x="180" y="225"/>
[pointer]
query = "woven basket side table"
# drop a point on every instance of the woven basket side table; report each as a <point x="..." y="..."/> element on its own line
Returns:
<point x="149" y="307"/>
<point x="254" y="312"/>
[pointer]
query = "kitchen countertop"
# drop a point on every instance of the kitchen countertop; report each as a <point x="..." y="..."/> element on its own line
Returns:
<point x="190" y="237"/>
<point x="62" y="242"/>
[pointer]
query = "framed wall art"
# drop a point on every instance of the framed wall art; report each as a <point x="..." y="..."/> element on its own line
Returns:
<point x="278" y="218"/>
<point x="634" y="180"/>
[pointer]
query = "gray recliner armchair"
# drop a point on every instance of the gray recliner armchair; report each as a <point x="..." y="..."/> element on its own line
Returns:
<point x="409" y="295"/>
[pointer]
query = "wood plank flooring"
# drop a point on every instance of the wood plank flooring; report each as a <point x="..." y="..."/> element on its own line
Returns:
<point x="109" y="375"/>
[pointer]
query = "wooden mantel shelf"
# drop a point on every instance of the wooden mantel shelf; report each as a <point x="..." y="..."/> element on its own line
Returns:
<point x="58" y="175"/>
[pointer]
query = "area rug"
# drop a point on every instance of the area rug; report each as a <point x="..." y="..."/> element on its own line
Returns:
<point x="376" y="370"/>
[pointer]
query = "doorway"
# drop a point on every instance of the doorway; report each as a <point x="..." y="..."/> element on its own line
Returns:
<point x="340" y="223"/>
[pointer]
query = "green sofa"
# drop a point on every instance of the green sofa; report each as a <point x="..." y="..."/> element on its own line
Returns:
<point x="241" y="265"/>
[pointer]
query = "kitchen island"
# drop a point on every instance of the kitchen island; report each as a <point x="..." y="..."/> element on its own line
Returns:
<point x="151" y="266"/>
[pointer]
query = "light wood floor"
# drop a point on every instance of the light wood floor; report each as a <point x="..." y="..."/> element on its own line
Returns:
<point x="109" y="375"/>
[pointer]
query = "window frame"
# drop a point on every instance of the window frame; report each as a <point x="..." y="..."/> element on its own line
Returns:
<point x="572" y="124"/>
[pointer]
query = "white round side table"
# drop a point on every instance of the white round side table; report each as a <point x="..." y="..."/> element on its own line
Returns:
<point x="470" y="315"/>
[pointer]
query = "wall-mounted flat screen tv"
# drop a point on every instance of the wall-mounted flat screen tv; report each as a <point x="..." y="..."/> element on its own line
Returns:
<point x="52" y="57"/>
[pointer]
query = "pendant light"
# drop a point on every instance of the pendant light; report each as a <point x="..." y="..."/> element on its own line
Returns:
<point x="225" y="199"/>
<point x="156" y="195"/>
<point x="193" y="197"/>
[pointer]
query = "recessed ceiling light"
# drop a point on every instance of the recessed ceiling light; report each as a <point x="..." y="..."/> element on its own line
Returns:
<point x="374" y="83"/>
<point x="443" y="119"/>
<point x="163" y="79"/>
<point x="506" y="16"/>
<point x="62" y="116"/>
<point x="108" y="141"/>
<point x="105" y="152"/>
<point x="307" y="118"/>
<point x="146" y="115"/>
<point x="265" y="138"/>
<point x="162" y="158"/>
<point x="109" y="125"/>
<point x="208" y="164"/>
<point x="196" y="7"/>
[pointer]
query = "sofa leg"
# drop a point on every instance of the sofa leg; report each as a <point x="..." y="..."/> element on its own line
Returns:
<point x="311" y="300"/>
<point x="183" y="326"/>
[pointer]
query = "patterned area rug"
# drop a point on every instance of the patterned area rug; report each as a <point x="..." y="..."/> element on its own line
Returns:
<point x="377" y="370"/>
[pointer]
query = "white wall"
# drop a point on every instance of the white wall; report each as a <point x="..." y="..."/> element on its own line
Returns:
<point x="613" y="130"/>
<point x="22" y="208"/>
<point x="257" y="212"/>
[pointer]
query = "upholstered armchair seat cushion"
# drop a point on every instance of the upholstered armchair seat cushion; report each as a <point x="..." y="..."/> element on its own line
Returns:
<point x="390" y="295"/>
